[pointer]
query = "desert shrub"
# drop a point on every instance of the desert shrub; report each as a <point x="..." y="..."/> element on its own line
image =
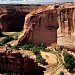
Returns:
<point x="30" y="46"/>
<point x="35" y="50"/>
<point x="15" y="47"/>
<point x="8" y="45"/>
<point x="69" y="61"/>
<point x="27" y="46"/>
<point x="6" y="39"/>
<point x="46" y="50"/>
<point x="41" y="46"/>
<point x="39" y="58"/>
<point x="61" y="73"/>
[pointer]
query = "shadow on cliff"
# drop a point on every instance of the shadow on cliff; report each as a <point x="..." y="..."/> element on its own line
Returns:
<point x="36" y="72"/>
<point x="12" y="20"/>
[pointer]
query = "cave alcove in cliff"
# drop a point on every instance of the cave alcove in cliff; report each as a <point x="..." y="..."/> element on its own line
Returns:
<point x="13" y="21"/>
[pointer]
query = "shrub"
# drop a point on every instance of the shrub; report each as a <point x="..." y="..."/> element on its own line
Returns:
<point x="41" y="46"/>
<point x="35" y="50"/>
<point x="27" y="46"/>
<point x="61" y="73"/>
<point x="69" y="61"/>
<point x="39" y="58"/>
<point x="15" y="47"/>
<point x="8" y="45"/>
<point x="46" y="50"/>
<point x="6" y="39"/>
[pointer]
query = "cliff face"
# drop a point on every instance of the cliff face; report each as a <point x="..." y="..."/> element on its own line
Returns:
<point x="12" y="20"/>
<point x="67" y="18"/>
<point x="12" y="16"/>
<point x="40" y="27"/>
<point x="14" y="61"/>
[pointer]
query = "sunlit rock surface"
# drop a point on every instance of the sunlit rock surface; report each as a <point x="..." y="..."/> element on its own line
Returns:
<point x="40" y="27"/>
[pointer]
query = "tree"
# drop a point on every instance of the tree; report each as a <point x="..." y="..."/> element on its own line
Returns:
<point x="39" y="58"/>
<point x="61" y="73"/>
<point x="69" y="61"/>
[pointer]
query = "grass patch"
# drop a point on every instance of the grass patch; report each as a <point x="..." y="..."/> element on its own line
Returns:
<point x="6" y="40"/>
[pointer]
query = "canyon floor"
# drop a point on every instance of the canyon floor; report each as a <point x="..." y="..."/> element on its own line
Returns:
<point x="53" y="58"/>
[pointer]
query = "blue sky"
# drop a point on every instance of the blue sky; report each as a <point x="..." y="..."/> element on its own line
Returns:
<point x="33" y="1"/>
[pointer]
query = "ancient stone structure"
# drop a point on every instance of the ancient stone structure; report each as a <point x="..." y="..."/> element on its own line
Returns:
<point x="40" y="27"/>
<point x="16" y="62"/>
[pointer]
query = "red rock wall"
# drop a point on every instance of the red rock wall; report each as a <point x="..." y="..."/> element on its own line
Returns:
<point x="14" y="61"/>
<point x="42" y="27"/>
<point x="44" y="30"/>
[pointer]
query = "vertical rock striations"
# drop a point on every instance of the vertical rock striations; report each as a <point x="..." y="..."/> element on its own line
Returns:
<point x="40" y="27"/>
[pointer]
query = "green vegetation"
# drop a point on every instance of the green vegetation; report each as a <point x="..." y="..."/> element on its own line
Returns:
<point x="39" y="59"/>
<point x="6" y="39"/>
<point x="61" y="73"/>
<point x="35" y="50"/>
<point x="69" y="61"/>
<point x="8" y="45"/>
<point x="30" y="46"/>
<point x="27" y="46"/>
<point x="46" y="50"/>
<point x="15" y="47"/>
<point x="41" y="46"/>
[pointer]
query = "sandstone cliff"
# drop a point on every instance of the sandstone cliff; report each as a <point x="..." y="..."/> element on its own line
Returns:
<point x="14" y="61"/>
<point x="12" y="16"/>
<point x="40" y="26"/>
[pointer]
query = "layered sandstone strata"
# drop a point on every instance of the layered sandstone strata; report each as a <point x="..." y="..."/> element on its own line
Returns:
<point x="40" y="27"/>
<point x="14" y="61"/>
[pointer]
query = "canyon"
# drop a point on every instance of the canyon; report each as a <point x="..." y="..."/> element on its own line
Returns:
<point x="48" y="19"/>
<point x="12" y="16"/>
<point x="42" y="24"/>
<point x="46" y="24"/>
